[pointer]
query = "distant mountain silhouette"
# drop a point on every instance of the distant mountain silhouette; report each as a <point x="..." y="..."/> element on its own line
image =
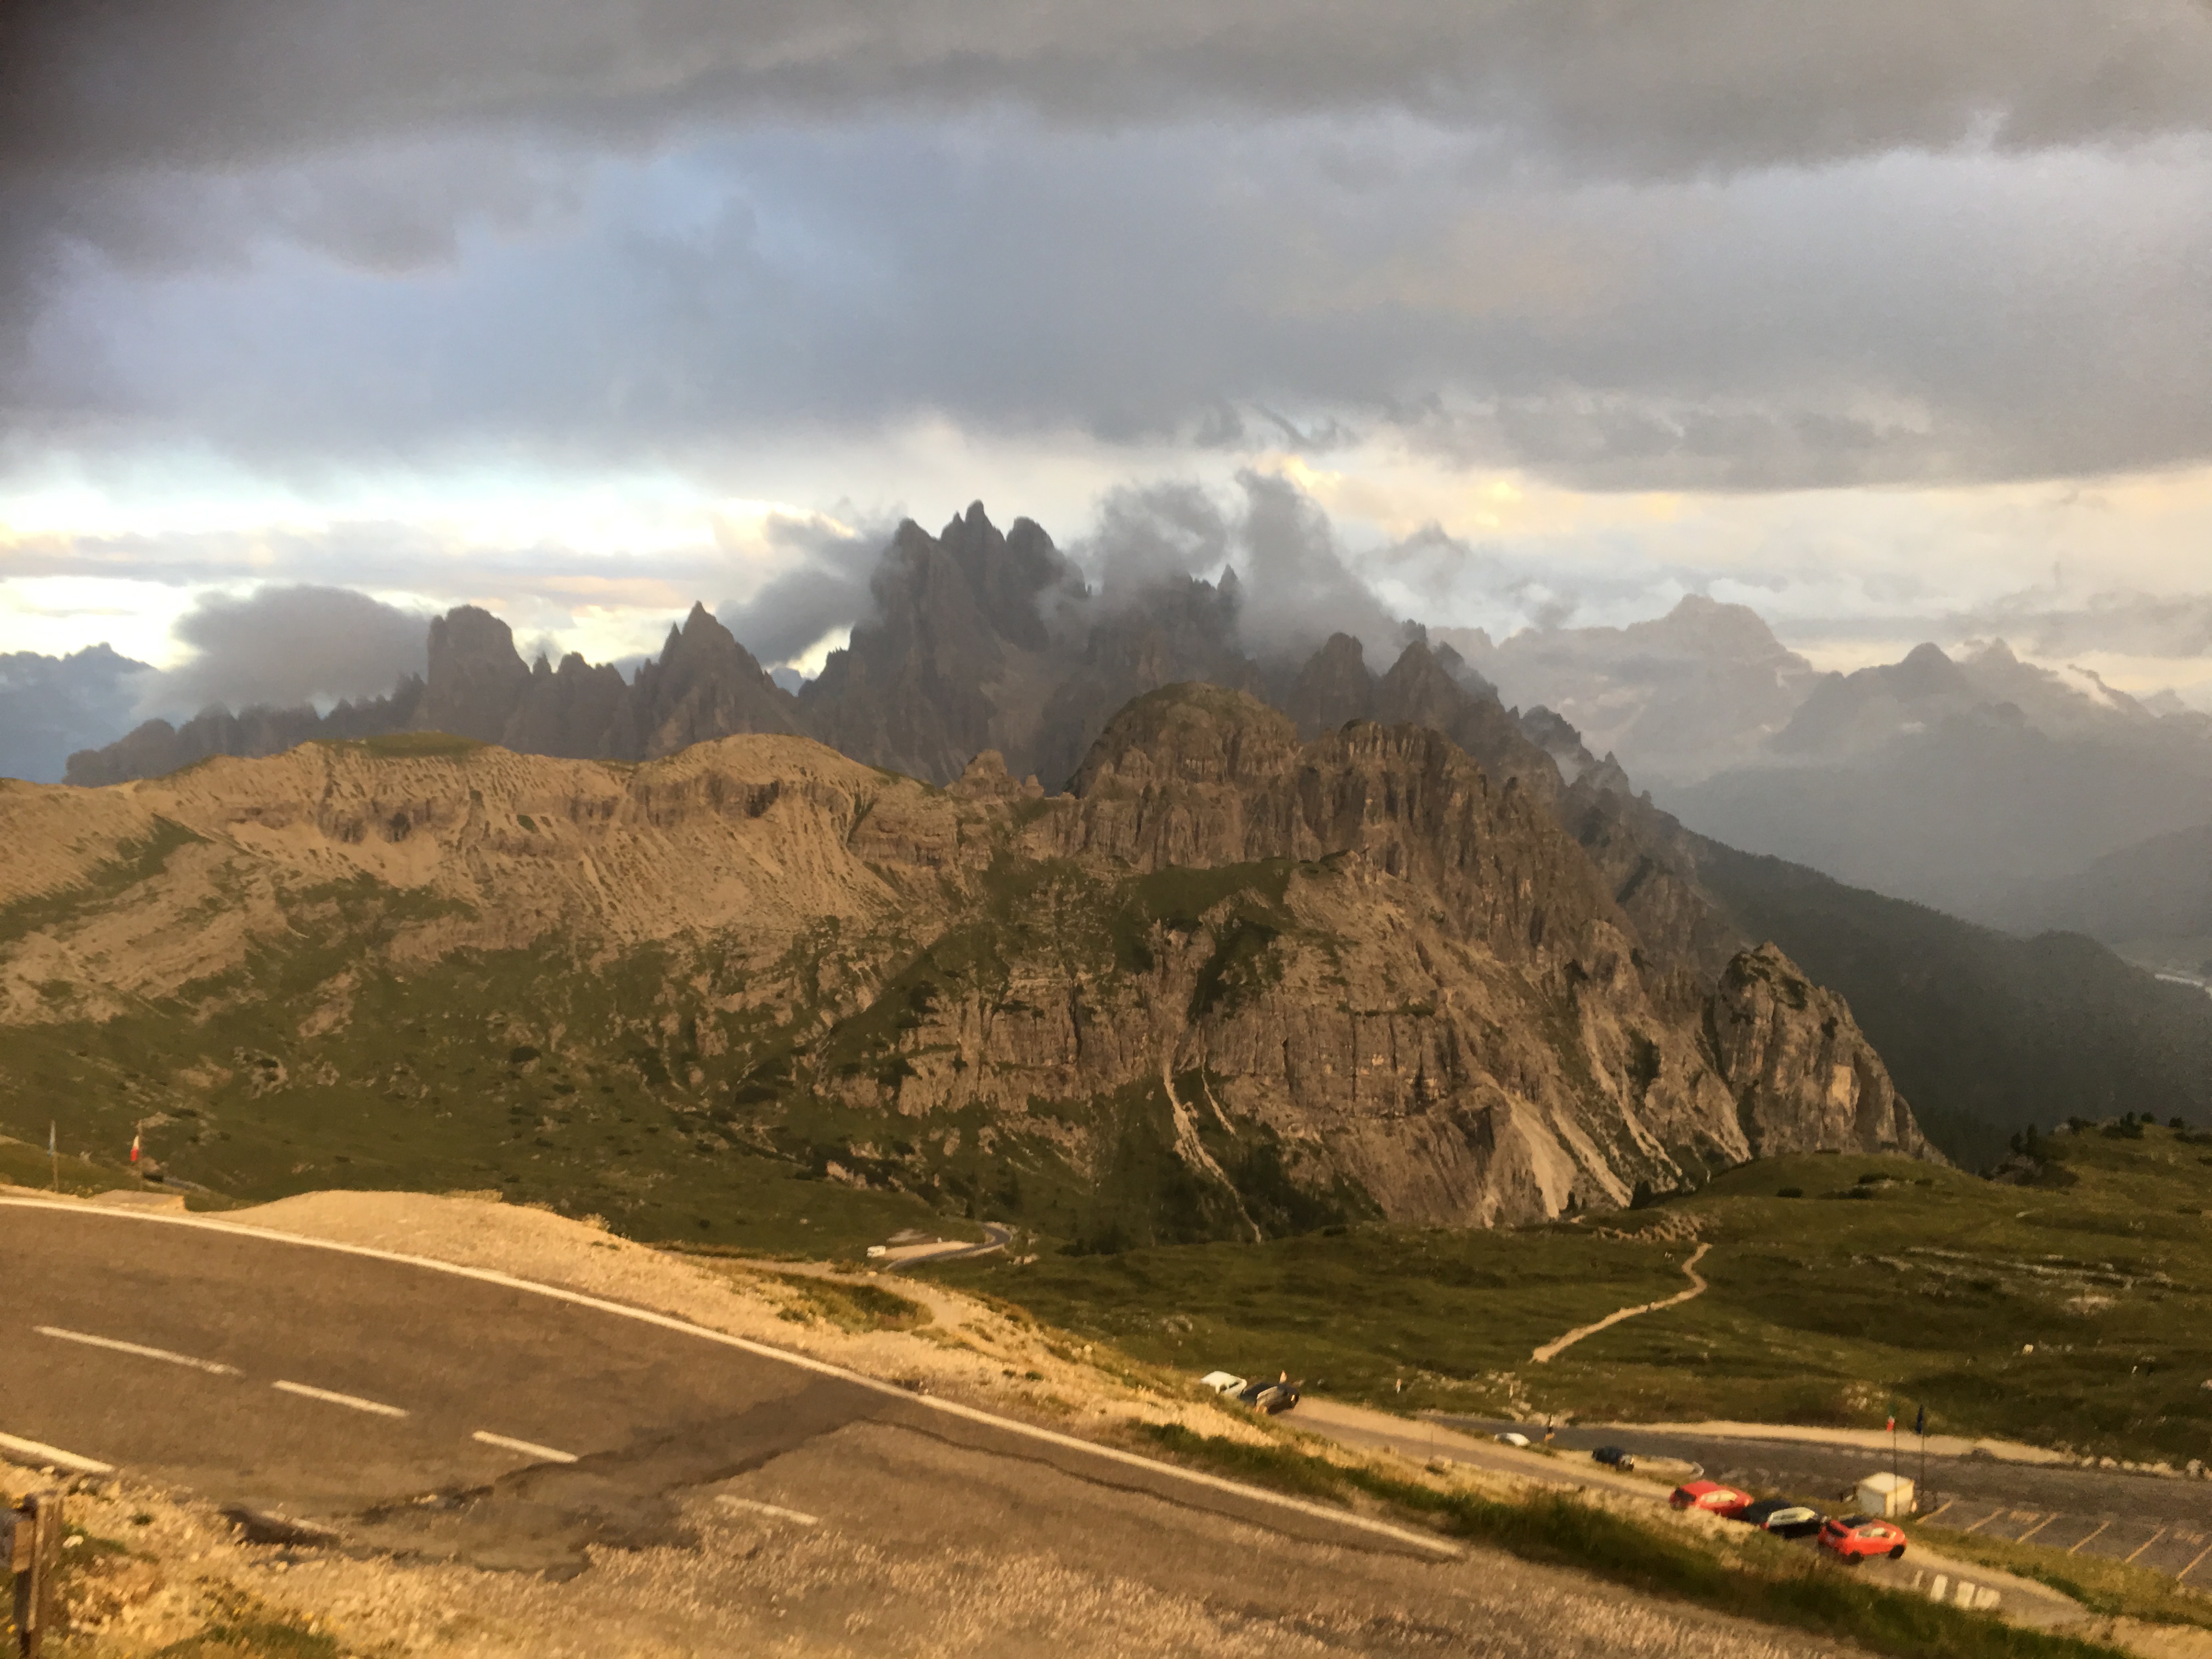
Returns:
<point x="1677" y="698"/>
<point x="978" y="639"/>
<point x="51" y="706"/>
<point x="1954" y="782"/>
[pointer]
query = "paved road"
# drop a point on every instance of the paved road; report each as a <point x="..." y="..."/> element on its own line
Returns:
<point x="276" y="1374"/>
<point x="2157" y="1521"/>
<point x="433" y="1414"/>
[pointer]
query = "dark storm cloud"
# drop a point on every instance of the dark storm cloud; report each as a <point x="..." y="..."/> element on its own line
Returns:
<point x="286" y="645"/>
<point x="1712" y="245"/>
<point x="826" y="589"/>
<point x="1697" y="83"/>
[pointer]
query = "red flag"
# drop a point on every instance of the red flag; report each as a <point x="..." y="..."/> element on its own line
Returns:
<point x="1892" y="1426"/>
<point x="134" y="1149"/>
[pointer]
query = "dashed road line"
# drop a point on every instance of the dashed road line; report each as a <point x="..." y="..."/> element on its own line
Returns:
<point x="775" y="1510"/>
<point x="213" y="1367"/>
<point x="351" y="1399"/>
<point x="2145" y="1545"/>
<point x="39" y="1452"/>
<point x="2102" y="1526"/>
<point x="527" y="1447"/>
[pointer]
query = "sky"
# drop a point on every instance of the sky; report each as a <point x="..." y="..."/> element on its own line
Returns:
<point x="1891" y="321"/>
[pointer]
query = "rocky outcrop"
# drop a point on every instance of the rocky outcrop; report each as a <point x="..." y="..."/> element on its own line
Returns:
<point x="1803" y="1077"/>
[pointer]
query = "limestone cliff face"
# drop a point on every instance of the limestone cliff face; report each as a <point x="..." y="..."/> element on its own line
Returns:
<point x="1802" y="1074"/>
<point x="1231" y="982"/>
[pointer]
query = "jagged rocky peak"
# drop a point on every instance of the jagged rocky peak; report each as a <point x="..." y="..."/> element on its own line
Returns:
<point x="1333" y="687"/>
<point x="1008" y="573"/>
<point x="476" y="677"/>
<point x="1555" y="735"/>
<point x="705" y="685"/>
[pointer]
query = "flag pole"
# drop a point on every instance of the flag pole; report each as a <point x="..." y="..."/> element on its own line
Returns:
<point x="53" y="1151"/>
<point x="1920" y="1427"/>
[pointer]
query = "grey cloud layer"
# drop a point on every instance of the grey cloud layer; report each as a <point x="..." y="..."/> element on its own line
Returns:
<point x="1696" y="83"/>
<point x="1709" y="245"/>
<point x="1909" y="319"/>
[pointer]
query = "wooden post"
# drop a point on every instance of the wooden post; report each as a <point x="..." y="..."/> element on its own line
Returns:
<point x="35" y="1555"/>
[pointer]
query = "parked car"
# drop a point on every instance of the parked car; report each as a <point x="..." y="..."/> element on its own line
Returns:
<point x="1854" y="1537"/>
<point x="1512" y="1438"/>
<point x="1269" y="1397"/>
<point x="1782" y="1517"/>
<point x="1614" y="1456"/>
<point x="1222" y="1382"/>
<point x="1711" y="1496"/>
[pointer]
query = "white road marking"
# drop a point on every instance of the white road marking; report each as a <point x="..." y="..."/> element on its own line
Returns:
<point x="2101" y="1525"/>
<point x="775" y="1510"/>
<point x="355" y="1400"/>
<point x="1422" y="1540"/>
<point x="2036" y="1528"/>
<point x="2145" y="1545"/>
<point x="527" y="1447"/>
<point x="39" y="1452"/>
<point x="213" y="1367"/>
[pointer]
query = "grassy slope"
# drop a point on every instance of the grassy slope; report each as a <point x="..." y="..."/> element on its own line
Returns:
<point x="22" y="1164"/>
<point x="637" y="1085"/>
<point x="442" y="1079"/>
<point x="1823" y="1309"/>
<point x="624" y="1085"/>
<point x="1984" y="1033"/>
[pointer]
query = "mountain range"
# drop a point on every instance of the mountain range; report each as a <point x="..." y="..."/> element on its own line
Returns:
<point x="1232" y="982"/>
<point x="979" y="641"/>
<point x="1970" y="783"/>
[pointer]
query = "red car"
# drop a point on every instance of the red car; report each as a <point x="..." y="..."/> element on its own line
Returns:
<point x="1711" y="1496"/>
<point x="1854" y="1537"/>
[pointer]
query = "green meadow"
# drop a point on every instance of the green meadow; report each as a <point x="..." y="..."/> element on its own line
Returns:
<point x="2073" y="1310"/>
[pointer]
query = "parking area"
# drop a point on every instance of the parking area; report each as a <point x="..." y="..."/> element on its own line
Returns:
<point x="2161" y="1523"/>
<point x="2179" y="1550"/>
<point x="1921" y="1572"/>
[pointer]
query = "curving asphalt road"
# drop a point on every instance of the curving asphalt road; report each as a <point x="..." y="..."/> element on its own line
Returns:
<point x="440" y="1411"/>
